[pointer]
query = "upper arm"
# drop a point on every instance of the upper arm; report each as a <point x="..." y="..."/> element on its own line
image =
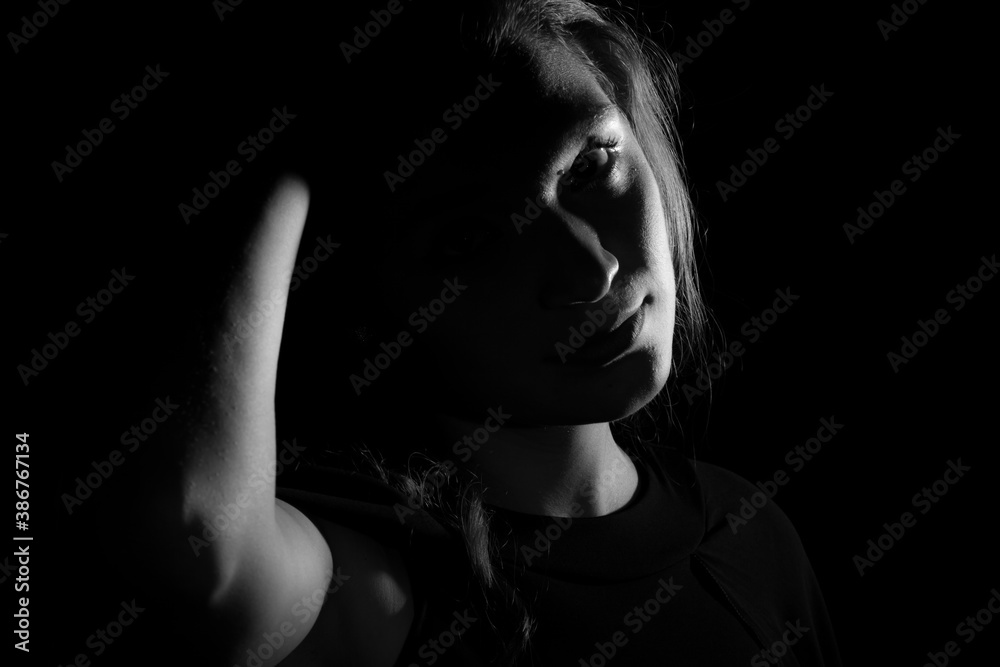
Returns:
<point x="310" y="592"/>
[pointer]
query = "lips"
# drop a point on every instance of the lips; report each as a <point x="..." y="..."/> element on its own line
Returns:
<point x="606" y="347"/>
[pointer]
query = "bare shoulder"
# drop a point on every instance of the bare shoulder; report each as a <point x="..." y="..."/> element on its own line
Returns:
<point x="302" y="591"/>
<point x="363" y="612"/>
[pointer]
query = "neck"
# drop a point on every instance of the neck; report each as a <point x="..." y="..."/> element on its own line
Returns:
<point x="553" y="470"/>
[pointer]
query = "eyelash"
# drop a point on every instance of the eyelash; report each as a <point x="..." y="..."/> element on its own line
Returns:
<point x="609" y="144"/>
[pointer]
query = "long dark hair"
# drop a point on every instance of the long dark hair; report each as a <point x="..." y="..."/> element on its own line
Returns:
<point x="635" y="74"/>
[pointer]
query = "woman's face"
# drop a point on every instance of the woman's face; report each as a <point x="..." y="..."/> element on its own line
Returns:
<point x="538" y="216"/>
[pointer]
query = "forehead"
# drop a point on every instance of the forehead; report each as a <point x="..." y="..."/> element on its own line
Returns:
<point x="555" y="76"/>
<point x="542" y="101"/>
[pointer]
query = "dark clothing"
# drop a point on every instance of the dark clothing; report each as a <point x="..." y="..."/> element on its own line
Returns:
<point x="676" y="577"/>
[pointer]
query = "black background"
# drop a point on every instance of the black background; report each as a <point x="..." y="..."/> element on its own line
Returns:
<point x="825" y="357"/>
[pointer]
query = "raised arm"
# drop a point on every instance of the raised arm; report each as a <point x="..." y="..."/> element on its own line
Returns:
<point x="266" y="568"/>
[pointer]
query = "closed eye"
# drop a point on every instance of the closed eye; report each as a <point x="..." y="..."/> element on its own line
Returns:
<point x="593" y="165"/>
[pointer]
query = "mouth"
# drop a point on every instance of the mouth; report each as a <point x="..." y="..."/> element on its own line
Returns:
<point x="606" y="347"/>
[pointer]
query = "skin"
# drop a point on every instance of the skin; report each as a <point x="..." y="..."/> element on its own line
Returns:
<point x="496" y="343"/>
<point x="493" y="347"/>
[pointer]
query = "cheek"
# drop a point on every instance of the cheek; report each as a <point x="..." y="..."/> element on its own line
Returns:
<point x="483" y="328"/>
<point x="477" y="355"/>
<point x="656" y="241"/>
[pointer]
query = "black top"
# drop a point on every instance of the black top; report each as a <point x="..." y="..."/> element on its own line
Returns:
<point x="675" y="577"/>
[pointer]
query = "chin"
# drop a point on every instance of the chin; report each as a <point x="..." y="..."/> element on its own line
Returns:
<point x="628" y="386"/>
<point x="625" y="386"/>
<point x="568" y="394"/>
<point x="552" y="393"/>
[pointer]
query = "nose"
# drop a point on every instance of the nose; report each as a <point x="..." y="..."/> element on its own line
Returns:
<point x="578" y="268"/>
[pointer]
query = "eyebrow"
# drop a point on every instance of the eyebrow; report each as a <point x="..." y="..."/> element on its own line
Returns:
<point x="459" y="197"/>
<point x="582" y="125"/>
<point x="590" y="118"/>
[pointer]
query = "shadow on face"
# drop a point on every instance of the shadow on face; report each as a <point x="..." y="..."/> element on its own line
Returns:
<point x="502" y="227"/>
<point x="515" y="247"/>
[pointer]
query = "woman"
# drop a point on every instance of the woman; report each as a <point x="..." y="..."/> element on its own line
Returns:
<point x="523" y="278"/>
